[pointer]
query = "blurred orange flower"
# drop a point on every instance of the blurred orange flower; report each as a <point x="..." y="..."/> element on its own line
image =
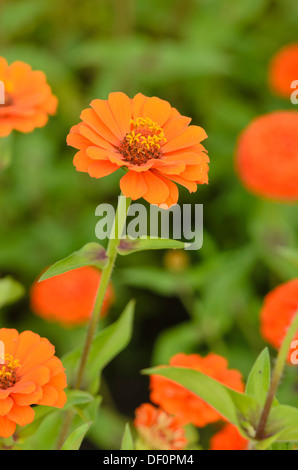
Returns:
<point x="228" y="438"/>
<point x="28" y="98"/>
<point x="187" y="406"/>
<point x="149" y="139"/>
<point x="267" y="156"/>
<point x="278" y="311"/>
<point x="69" y="297"/>
<point x="159" y="430"/>
<point x="283" y="70"/>
<point x="30" y="374"/>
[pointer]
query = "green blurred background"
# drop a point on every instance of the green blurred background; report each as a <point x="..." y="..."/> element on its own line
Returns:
<point x="209" y="59"/>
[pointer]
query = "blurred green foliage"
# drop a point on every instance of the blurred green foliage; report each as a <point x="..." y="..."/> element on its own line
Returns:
<point x="209" y="59"/>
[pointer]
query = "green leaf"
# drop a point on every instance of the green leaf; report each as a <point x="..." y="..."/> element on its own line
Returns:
<point x="45" y="436"/>
<point x="264" y="444"/>
<point x="107" y="430"/>
<point x="205" y="387"/>
<point x="77" y="397"/>
<point x="106" y="345"/>
<point x="75" y="439"/>
<point x="130" y="245"/>
<point x="150" y="278"/>
<point x="10" y="291"/>
<point x="289" y="255"/>
<point x="92" y="254"/>
<point x="258" y="382"/>
<point x="237" y="408"/>
<point x="90" y="410"/>
<point x="41" y="412"/>
<point x="127" y="440"/>
<point x="282" y="426"/>
<point x="283" y="421"/>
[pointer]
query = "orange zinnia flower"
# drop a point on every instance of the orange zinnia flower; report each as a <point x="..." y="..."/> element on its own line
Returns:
<point x="277" y="313"/>
<point x="69" y="297"/>
<point x="30" y="374"/>
<point x="187" y="406"/>
<point x="149" y="139"/>
<point x="228" y="438"/>
<point x="283" y="70"/>
<point x="267" y="155"/>
<point x="28" y="98"/>
<point x="158" y="430"/>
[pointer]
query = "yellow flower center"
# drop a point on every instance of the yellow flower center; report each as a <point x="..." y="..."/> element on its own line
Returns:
<point x="143" y="142"/>
<point x="8" y="372"/>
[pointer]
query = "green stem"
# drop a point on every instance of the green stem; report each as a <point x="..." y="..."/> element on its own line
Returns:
<point x="276" y="376"/>
<point x="104" y="282"/>
<point x="106" y="274"/>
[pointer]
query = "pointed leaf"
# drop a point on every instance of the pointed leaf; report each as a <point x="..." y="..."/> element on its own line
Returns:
<point x="211" y="391"/>
<point x="238" y="408"/>
<point x="127" y="440"/>
<point x="283" y="420"/>
<point x="130" y="245"/>
<point x="74" y="441"/>
<point x="77" y="397"/>
<point x="92" y="254"/>
<point x="258" y="382"/>
<point x="106" y="345"/>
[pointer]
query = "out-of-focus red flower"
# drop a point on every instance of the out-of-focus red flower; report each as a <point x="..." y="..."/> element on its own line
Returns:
<point x="228" y="438"/>
<point x="28" y="98"/>
<point x="278" y="311"/>
<point x="158" y="429"/>
<point x="283" y="70"/>
<point x="187" y="406"/>
<point x="69" y="297"/>
<point x="267" y="156"/>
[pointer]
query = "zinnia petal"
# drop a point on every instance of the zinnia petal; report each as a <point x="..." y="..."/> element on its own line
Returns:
<point x="120" y="106"/>
<point x="133" y="185"/>
<point x="21" y="415"/>
<point x="158" y="191"/>
<point x="91" y="118"/>
<point x="7" y="427"/>
<point x="101" y="168"/>
<point x="104" y="112"/>
<point x="190" y="136"/>
<point x="5" y="406"/>
<point x="156" y="109"/>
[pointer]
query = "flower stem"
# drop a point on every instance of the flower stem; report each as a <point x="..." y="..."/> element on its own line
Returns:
<point x="104" y="282"/>
<point x="276" y="376"/>
<point x="118" y="225"/>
